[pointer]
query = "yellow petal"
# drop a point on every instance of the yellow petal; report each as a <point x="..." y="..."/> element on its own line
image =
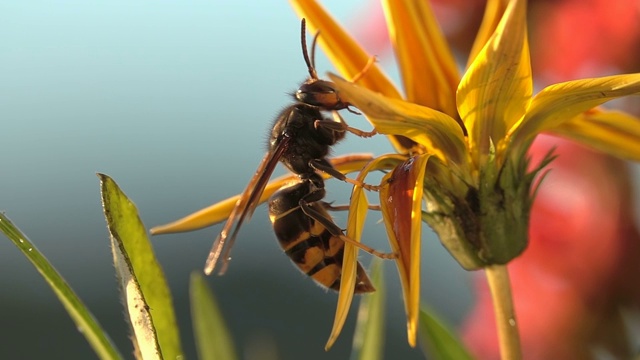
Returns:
<point x="355" y="223"/>
<point x="496" y="89"/>
<point x="429" y="71"/>
<point x="220" y="211"/>
<point x="347" y="56"/>
<point x="436" y="131"/>
<point x="492" y="15"/>
<point x="348" y="276"/>
<point x="559" y="103"/>
<point x="358" y="204"/>
<point x="217" y="212"/>
<point x="401" y="205"/>
<point x="612" y="132"/>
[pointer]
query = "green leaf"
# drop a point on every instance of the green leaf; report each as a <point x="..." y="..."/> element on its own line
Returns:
<point x="438" y="340"/>
<point x="369" y="335"/>
<point x="213" y="340"/>
<point x="144" y="287"/>
<point x="84" y="320"/>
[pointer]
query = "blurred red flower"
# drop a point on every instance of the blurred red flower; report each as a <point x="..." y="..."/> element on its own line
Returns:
<point x="582" y="38"/>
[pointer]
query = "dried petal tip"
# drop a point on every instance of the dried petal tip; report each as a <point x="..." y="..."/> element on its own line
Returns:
<point x="401" y="203"/>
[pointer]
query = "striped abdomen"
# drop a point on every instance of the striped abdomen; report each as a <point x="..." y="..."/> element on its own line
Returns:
<point x="307" y="242"/>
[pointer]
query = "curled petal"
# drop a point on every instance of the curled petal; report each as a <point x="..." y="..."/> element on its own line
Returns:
<point x="559" y="103"/>
<point x="401" y="205"/>
<point x="355" y="223"/>
<point x="496" y="89"/>
<point x="220" y="211"/>
<point x="429" y="71"/>
<point x="436" y="131"/>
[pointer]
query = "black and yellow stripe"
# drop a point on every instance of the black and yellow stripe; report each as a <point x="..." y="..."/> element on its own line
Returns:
<point x="311" y="247"/>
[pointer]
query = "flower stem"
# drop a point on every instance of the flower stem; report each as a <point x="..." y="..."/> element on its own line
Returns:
<point x="498" y="278"/>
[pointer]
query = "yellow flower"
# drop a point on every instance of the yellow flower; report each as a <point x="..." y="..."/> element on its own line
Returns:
<point x="461" y="140"/>
<point x="469" y="134"/>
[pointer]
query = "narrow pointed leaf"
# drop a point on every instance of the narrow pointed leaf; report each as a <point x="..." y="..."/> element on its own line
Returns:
<point x="436" y="131"/>
<point x="368" y="340"/>
<point x="612" y="132"/>
<point x="438" y="341"/>
<point x="79" y="313"/>
<point x="497" y="87"/>
<point x="144" y="287"/>
<point x="145" y="337"/>
<point x="428" y="69"/>
<point x="213" y="340"/>
<point x="220" y="211"/>
<point x="559" y="103"/>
